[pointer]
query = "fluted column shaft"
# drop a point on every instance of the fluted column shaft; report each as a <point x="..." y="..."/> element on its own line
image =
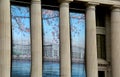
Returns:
<point x="115" y="41"/>
<point x="91" y="49"/>
<point x="36" y="33"/>
<point x="5" y="38"/>
<point x="65" y="59"/>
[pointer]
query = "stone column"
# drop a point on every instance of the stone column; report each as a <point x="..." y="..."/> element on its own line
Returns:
<point x="115" y="41"/>
<point x="5" y="38"/>
<point x="36" y="33"/>
<point x="65" y="58"/>
<point x="91" y="46"/>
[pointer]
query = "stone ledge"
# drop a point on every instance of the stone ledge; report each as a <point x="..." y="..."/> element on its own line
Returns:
<point x="106" y="2"/>
<point x="103" y="62"/>
<point x="60" y="1"/>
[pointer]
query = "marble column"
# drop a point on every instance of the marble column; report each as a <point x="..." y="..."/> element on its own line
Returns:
<point x="91" y="46"/>
<point x="36" y="33"/>
<point x="65" y="58"/>
<point x="115" y="40"/>
<point x="5" y="38"/>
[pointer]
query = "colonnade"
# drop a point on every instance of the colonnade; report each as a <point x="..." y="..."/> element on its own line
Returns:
<point x="65" y="56"/>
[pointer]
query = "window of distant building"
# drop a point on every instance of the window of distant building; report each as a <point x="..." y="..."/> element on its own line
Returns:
<point x="101" y="46"/>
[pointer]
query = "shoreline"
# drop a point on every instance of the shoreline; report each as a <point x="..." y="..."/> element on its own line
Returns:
<point x="54" y="61"/>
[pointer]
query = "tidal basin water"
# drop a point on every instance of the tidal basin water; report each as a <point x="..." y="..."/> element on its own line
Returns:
<point x="21" y="68"/>
<point x="50" y="69"/>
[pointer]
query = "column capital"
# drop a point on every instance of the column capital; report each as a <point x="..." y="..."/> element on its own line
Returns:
<point x="115" y="8"/>
<point x="91" y="5"/>
<point x="36" y="1"/>
<point x="65" y="1"/>
<point x="64" y="4"/>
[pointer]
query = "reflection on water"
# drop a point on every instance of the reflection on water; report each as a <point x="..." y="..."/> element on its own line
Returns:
<point x="50" y="69"/>
<point x="78" y="70"/>
<point x="21" y="68"/>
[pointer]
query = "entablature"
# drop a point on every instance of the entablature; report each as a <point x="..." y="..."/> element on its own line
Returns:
<point x="106" y="2"/>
